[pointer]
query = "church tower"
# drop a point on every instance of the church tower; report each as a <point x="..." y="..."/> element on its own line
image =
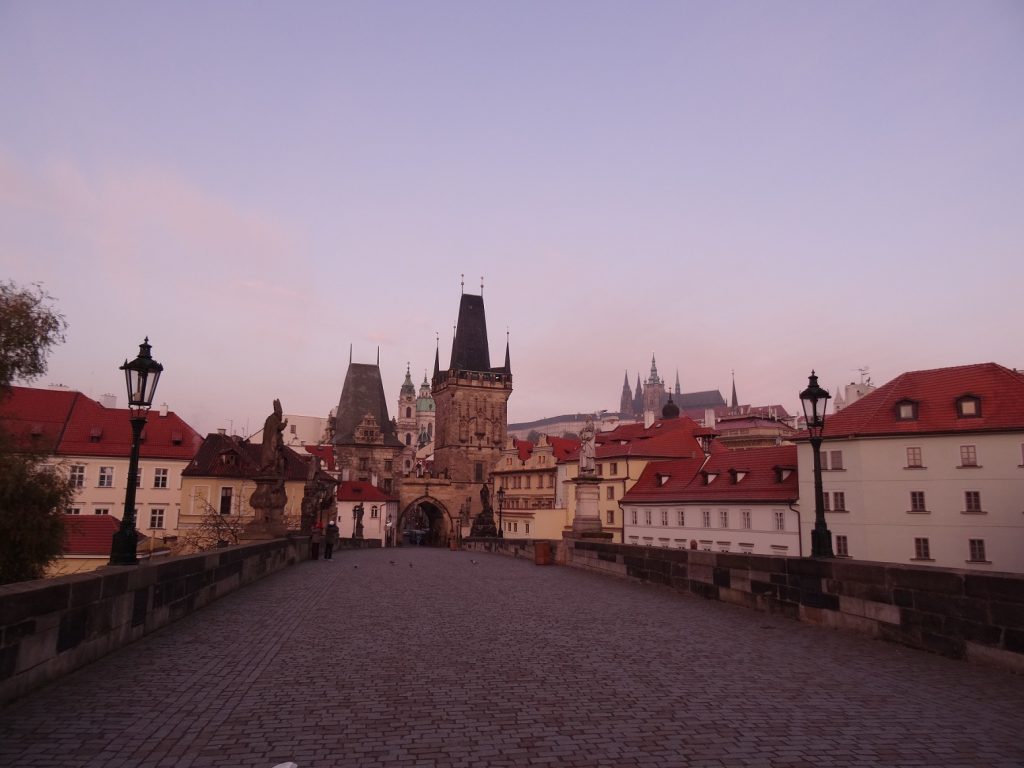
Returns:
<point x="654" y="393"/>
<point x="470" y="400"/>
<point x="406" y="421"/>
<point x="626" y="401"/>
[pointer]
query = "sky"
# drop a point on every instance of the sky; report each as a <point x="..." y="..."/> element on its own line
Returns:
<point x="763" y="188"/>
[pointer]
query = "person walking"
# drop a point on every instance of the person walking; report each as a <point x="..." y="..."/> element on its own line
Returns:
<point x="330" y="539"/>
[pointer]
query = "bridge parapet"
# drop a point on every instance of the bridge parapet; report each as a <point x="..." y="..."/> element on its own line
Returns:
<point x="957" y="613"/>
<point x="51" y="627"/>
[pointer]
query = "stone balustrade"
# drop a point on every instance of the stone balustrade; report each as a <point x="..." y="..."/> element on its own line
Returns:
<point x="51" y="627"/>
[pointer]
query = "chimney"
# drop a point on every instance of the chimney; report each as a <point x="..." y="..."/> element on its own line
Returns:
<point x="709" y="418"/>
<point x="222" y="431"/>
<point x="163" y="409"/>
<point x="108" y="400"/>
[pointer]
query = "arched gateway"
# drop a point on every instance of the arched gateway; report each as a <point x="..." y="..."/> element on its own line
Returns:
<point x="425" y="521"/>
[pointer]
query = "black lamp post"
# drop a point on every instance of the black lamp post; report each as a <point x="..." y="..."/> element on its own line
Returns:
<point x="815" y="400"/>
<point x="141" y="376"/>
<point x="501" y="507"/>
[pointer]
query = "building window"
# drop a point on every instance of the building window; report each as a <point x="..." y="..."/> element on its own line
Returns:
<point x="664" y="517"/>
<point x="835" y="459"/>
<point x="921" y="550"/>
<point x="156" y="518"/>
<point x="634" y="516"/>
<point x="839" y="501"/>
<point x="723" y="518"/>
<point x="977" y="550"/>
<point x="914" y="457"/>
<point x="681" y="518"/>
<point x="917" y="502"/>
<point x="364" y="464"/>
<point x="225" y="500"/>
<point x="106" y="477"/>
<point x="780" y="520"/>
<point x="968" y="456"/>
<point x="706" y="514"/>
<point x="842" y="547"/>
<point x="527" y="527"/>
<point x="610" y="518"/>
<point x="160" y="477"/>
<point x="408" y="438"/>
<point x="613" y="468"/>
<point x="972" y="501"/>
<point x="647" y="517"/>
<point x="138" y="477"/>
<point x="746" y="518"/>
<point x="76" y="475"/>
<point x="906" y="410"/>
<point x="609" y="492"/>
<point x="389" y="465"/>
<point x="75" y="511"/>
<point x="529" y="480"/>
<point x="968" y="407"/>
<point x="374" y="512"/>
<point x="386" y="485"/>
<point x="551" y="481"/>
<point x="478" y="472"/>
<point x="101" y="511"/>
<point x="826" y="500"/>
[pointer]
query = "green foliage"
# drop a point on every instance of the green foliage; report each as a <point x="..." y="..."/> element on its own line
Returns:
<point x="33" y="499"/>
<point x="29" y="326"/>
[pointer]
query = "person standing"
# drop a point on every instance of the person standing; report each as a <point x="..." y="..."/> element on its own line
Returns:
<point x="330" y="539"/>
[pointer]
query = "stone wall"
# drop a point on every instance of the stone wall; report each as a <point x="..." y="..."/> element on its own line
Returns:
<point x="960" y="614"/>
<point x="53" y="626"/>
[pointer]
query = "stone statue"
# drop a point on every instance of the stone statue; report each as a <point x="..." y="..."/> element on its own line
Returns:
<point x="587" y="466"/>
<point x="485" y="498"/>
<point x="272" y="454"/>
<point x="357" y="515"/>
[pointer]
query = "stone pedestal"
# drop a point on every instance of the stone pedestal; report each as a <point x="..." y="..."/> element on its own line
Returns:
<point x="587" y="519"/>
<point x="483" y="525"/>
<point x="268" y="502"/>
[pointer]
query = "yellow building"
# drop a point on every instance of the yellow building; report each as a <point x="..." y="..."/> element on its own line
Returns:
<point x="220" y="480"/>
<point x="527" y="473"/>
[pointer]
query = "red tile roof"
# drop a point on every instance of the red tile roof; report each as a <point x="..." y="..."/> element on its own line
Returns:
<point x="360" y="490"/>
<point x="525" y="448"/>
<point x="936" y="393"/>
<point x="750" y="476"/>
<point x="326" y="454"/>
<point x="232" y="457"/>
<point x="565" y="448"/>
<point x="75" y="425"/>
<point x="90" y="534"/>
<point x="666" y="438"/>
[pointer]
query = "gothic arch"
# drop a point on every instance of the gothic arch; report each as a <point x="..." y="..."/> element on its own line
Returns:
<point x="425" y="520"/>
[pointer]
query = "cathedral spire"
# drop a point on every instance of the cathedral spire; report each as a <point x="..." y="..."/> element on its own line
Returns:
<point x="735" y="404"/>
<point x="508" y="359"/>
<point x="678" y="390"/>
<point x="437" y="355"/>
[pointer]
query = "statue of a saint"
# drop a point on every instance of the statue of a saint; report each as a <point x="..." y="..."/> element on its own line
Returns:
<point x="587" y="466"/>
<point x="272" y="453"/>
<point x="485" y="497"/>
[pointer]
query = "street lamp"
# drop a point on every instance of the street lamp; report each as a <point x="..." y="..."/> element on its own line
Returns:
<point x="815" y="400"/>
<point x="501" y="507"/>
<point x="141" y="376"/>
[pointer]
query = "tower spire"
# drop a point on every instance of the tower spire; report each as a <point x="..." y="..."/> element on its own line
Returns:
<point x="508" y="359"/>
<point x="678" y="390"/>
<point x="735" y="404"/>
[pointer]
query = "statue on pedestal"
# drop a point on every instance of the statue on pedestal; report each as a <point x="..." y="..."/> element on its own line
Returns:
<point x="587" y="450"/>
<point x="272" y="453"/>
<point x="269" y="499"/>
<point x="483" y="524"/>
<point x="357" y="517"/>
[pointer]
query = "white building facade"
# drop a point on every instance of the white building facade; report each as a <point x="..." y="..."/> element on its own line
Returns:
<point x="928" y="469"/>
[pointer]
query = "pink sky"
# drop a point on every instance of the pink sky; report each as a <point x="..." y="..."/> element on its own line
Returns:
<point x="765" y="188"/>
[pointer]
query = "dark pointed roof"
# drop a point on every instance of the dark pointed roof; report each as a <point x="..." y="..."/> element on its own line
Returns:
<point x="231" y="456"/>
<point x="508" y="359"/>
<point x="469" y="349"/>
<point x="734" y="403"/>
<point x="362" y="393"/>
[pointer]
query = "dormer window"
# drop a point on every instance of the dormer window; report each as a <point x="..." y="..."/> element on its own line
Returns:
<point x="95" y="434"/>
<point x="709" y="477"/>
<point x="782" y="473"/>
<point x="735" y="475"/>
<point x="968" y="407"/>
<point x="906" y="410"/>
<point x="661" y="479"/>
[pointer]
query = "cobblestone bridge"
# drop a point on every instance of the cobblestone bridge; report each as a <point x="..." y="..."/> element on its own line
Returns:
<point x="460" y="659"/>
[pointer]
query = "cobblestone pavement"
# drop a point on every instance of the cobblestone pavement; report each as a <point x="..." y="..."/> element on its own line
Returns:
<point x="437" y="661"/>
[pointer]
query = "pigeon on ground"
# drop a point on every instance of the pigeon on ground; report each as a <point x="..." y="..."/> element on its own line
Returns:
<point x="410" y="565"/>
<point x="391" y="561"/>
<point x="355" y="566"/>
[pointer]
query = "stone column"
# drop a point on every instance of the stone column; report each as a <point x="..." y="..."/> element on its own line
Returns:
<point x="587" y="519"/>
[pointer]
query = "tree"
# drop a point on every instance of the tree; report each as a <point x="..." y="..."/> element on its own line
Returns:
<point x="33" y="498"/>
<point x="29" y="326"/>
<point x="533" y="437"/>
<point x="33" y="494"/>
